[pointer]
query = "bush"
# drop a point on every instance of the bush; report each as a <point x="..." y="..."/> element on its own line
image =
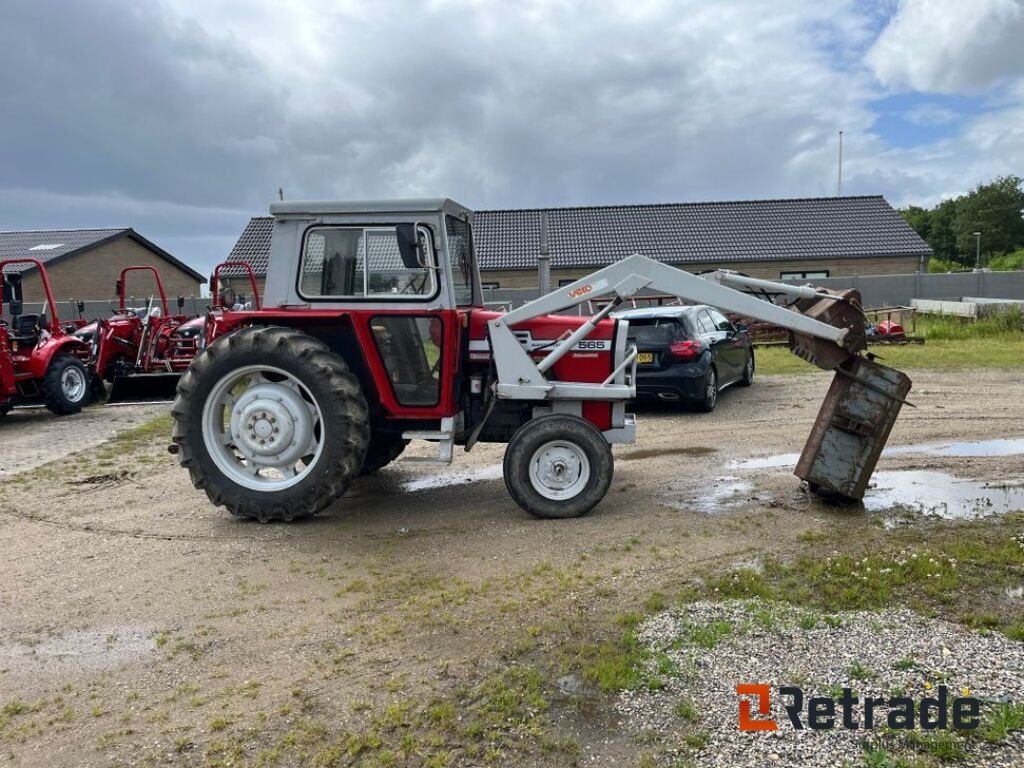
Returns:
<point x="939" y="265"/>
<point x="945" y="327"/>
<point x="1008" y="262"/>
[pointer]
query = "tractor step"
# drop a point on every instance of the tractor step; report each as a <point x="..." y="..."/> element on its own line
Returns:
<point x="444" y="437"/>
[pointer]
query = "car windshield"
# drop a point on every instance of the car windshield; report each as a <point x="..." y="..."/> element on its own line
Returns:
<point x="654" y="331"/>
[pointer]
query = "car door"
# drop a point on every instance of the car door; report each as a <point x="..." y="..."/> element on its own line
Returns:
<point x="733" y="348"/>
<point x="713" y="338"/>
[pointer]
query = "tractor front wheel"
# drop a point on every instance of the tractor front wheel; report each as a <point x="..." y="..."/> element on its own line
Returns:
<point x="270" y="423"/>
<point x="558" y="466"/>
<point x="65" y="386"/>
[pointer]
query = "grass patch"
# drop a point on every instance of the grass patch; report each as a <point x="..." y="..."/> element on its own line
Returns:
<point x="1000" y="351"/>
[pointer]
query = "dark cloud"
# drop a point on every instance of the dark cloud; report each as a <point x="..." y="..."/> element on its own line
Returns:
<point x="183" y="118"/>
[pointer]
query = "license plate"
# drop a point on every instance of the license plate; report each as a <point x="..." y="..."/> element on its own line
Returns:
<point x="645" y="357"/>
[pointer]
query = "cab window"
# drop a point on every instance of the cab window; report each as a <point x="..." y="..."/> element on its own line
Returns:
<point x="460" y="252"/>
<point x="364" y="262"/>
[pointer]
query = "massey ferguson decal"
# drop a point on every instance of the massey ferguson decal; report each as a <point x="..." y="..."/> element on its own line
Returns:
<point x="531" y="344"/>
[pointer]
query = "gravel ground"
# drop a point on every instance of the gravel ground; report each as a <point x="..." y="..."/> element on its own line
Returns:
<point x="778" y="646"/>
<point x="31" y="437"/>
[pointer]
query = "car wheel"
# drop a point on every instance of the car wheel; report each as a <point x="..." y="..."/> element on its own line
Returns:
<point x="748" y="371"/>
<point x="710" y="399"/>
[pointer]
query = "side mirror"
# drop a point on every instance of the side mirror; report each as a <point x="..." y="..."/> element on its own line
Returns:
<point x="81" y="308"/>
<point x="181" y="302"/>
<point x="118" y="288"/>
<point x="741" y="328"/>
<point x="16" y="306"/>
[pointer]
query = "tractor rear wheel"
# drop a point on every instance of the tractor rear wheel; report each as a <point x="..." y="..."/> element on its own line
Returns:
<point x="270" y="423"/>
<point x="65" y="386"/>
<point x="384" y="448"/>
<point x="558" y="466"/>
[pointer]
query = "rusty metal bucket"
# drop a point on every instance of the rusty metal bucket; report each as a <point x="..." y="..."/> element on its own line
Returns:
<point x="852" y="428"/>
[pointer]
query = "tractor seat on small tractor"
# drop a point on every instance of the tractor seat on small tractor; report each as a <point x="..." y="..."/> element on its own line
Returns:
<point x="25" y="328"/>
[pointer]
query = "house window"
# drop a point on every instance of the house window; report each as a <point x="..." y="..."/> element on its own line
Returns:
<point x="567" y="281"/>
<point x="812" y="275"/>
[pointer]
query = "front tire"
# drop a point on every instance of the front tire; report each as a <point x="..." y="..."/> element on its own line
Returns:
<point x="558" y="466"/>
<point x="748" y="371"/>
<point x="65" y="386"/>
<point x="270" y="423"/>
<point x="710" y="399"/>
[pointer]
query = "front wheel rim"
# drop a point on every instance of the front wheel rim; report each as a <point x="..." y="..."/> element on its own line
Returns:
<point x="712" y="389"/>
<point x="263" y="428"/>
<point x="72" y="384"/>
<point x="559" y="470"/>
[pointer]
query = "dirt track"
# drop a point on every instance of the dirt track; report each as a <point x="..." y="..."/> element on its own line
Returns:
<point x="142" y="626"/>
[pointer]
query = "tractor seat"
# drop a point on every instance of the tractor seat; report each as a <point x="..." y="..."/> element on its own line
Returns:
<point x="26" y="327"/>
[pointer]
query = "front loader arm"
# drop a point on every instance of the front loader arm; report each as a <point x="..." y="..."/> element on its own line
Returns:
<point x="520" y="378"/>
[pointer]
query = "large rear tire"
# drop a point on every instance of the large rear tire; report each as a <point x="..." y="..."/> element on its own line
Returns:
<point x="65" y="386"/>
<point x="270" y="423"/>
<point x="558" y="466"/>
<point x="384" y="448"/>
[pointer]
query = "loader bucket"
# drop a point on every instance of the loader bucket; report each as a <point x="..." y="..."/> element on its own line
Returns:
<point x="852" y="427"/>
<point x="144" y="387"/>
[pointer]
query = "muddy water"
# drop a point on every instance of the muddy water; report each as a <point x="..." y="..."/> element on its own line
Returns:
<point x="650" y="453"/>
<point x="909" y="494"/>
<point x="999" y="447"/>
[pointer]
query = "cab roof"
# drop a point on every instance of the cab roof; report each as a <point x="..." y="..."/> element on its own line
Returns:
<point x="405" y="205"/>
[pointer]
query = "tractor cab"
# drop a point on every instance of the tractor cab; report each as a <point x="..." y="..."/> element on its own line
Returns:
<point x="39" y="360"/>
<point x="404" y="276"/>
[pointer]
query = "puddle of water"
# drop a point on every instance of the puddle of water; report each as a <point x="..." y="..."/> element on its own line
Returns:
<point x="726" y="494"/>
<point x="81" y="649"/>
<point x="937" y="494"/>
<point x="998" y="447"/>
<point x="448" y="479"/>
<point x="650" y="453"/>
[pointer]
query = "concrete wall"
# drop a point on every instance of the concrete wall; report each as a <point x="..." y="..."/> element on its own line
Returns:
<point x="770" y="270"/>
<point x="91" y="275"/>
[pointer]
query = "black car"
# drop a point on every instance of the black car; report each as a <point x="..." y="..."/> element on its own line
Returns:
<point x="688" y="354"/>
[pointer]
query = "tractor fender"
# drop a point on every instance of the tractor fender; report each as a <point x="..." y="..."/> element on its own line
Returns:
<point x="47" y="350"/>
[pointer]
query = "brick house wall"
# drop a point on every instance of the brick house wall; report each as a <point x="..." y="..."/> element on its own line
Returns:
<point x="91" y="275"/>
<point x="769" y="270"/>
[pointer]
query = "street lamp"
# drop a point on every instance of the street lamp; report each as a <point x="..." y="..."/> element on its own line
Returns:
<point x="977" y="250"/>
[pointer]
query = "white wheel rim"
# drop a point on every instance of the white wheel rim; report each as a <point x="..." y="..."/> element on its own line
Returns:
<point x="72" y="384"/>
<point x="559" y="470"/>
<point x="712" y="389"/>
<point x="263" y="428"/>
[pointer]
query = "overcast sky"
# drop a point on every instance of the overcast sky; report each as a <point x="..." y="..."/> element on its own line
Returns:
<point x="182" y="118"/>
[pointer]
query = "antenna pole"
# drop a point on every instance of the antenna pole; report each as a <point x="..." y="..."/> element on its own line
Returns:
<point x="839" y="183"/>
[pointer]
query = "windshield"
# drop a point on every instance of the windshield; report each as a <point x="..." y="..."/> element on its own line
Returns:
<point x="655" y="331"/>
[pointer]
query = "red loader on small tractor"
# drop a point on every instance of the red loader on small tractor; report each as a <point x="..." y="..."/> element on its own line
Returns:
<point x="141" y="352"/>
<point x="373" y="333"/>
<point x="40" y="361"/>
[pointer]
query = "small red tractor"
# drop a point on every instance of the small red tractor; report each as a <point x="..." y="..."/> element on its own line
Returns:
<point x="141" y="351"/>
<point x="373" y="333"/>
<point x="40" y="360"/>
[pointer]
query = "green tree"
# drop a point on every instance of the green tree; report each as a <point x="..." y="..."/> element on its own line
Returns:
<point x="995" y="210"/>
<point x="942" y="236"/>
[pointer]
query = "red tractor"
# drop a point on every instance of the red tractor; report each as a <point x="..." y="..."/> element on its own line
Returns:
<point x="40" y="361"/>
<point x="141" y="351"/>
<point x="373" y="333"/>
